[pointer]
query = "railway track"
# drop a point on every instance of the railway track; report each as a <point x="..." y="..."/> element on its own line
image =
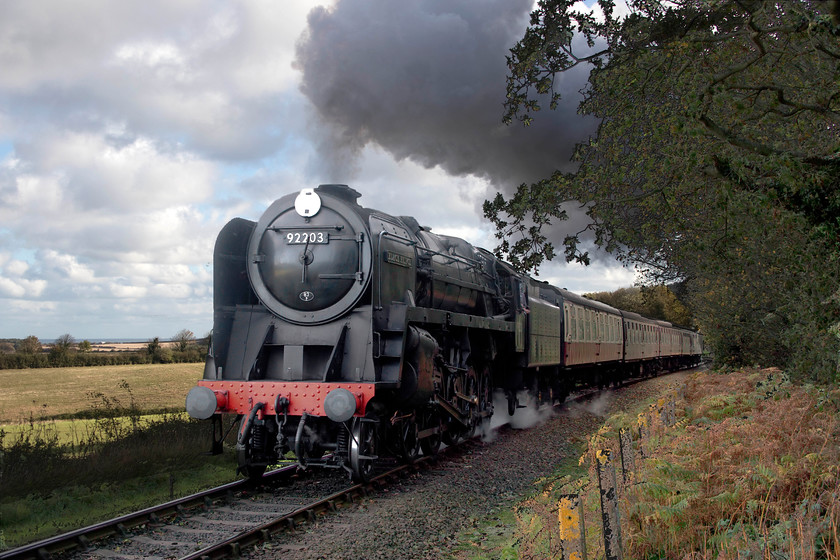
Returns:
<point x="216" y="523"/>
<point x="220" y="522"/>
<point x="84" y="538"/>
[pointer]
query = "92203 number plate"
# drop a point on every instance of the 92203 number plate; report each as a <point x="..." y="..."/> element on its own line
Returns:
<point x="307" y="237"/>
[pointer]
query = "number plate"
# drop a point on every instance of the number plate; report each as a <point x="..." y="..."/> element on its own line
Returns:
<point x="307" y="237"/>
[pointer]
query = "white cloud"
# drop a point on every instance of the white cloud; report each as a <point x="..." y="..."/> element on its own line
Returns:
<point x="68" y="267"/>
<point x="153" y="55"/>
<point x="15" y="267"/>
<point x="128" y="291"/>
<point x="21" y="287"/>
<point x="131" y="132"/>
<point x="620" y="10"/>
<point x="597" y="277"/>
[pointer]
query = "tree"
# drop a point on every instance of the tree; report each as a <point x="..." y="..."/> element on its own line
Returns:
<point x="64" y="342"/>
<point x="716" y="161"/>
<point x="157" y="352"/>
<point x="184" y="338"/>
<point x="85" y="346"/>
<point x="30" y="345"/>
<point x="655" y="302"/>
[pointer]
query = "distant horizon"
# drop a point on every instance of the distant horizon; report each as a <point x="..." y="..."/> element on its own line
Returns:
<point x="95" y="340"/>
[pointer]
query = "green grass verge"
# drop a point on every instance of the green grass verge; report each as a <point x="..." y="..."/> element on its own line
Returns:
<point x="38" y="516"/>
<point x="750" y="471"/>
<point x="114" y="453"/>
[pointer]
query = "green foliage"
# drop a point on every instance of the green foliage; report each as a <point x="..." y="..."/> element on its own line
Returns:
<point x="124" y="459"/>
<point x="716" y="163"/>
<point x="29" y="345"/>
<point x="121" y="441"/>
<point x="758" y="481"/>
<point x="656" y="302"/>
<point x="64" y="342"/>
<point x="18" y="360"/>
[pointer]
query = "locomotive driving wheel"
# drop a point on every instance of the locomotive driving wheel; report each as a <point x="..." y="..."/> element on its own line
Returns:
<point x="431" y="444"/>
<point x="409" y="440"/>
<point x="363" y="449"/>
<point x="248" y="468"/>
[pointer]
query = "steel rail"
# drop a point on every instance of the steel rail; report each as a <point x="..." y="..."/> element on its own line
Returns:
<point x="308" y="513"/>
<point x="82" y="538"/>
<point x="85" y="536"/>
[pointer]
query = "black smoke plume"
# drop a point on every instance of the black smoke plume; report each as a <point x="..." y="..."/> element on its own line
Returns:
<point x="425" y="80"/>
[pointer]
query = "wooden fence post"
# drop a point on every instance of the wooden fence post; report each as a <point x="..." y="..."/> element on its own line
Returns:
<point x="643" y="421"/>
<point x="672" y="412"/>
<point x="609" y="505"/>
<point x="572" y="533"/>
<point x="628" y="457"/>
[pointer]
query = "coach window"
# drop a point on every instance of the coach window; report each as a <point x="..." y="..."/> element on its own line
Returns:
<point x="581" y="320"/>
<point x="586" y="328"/>
<point x="568" y="323"/>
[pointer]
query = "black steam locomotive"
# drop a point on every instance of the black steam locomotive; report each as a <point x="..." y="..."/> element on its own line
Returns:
<point x="342" y="333"/>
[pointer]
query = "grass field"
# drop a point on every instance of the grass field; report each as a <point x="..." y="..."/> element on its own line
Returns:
<point x="78" y="445"/>
<point x="62" y="392"/>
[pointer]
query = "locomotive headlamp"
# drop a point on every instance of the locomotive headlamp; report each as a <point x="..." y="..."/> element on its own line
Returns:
<point x="340" y="405"/>
<point x="307" y="203"/>
<point x="203" y="401"/>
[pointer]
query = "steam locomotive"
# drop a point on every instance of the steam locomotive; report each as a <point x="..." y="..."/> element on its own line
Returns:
<point x="342" y="333"/>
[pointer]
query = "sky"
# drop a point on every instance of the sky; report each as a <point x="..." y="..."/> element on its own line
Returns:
<point x="131" y="132"/>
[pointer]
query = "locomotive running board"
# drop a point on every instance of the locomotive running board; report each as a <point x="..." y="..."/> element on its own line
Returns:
<point x="449" y="318"/>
